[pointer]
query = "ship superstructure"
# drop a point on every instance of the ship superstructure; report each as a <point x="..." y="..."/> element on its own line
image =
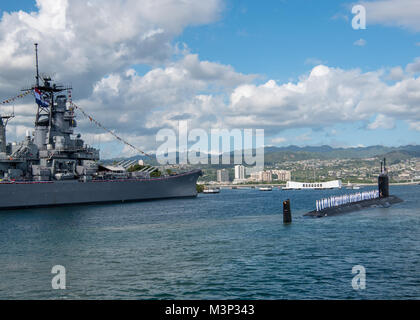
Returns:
<point x="54" y="166"/>
<point x="52" y="152"/>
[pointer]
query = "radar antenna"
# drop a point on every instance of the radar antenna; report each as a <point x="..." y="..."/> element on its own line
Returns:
<point x="36" y="61"/>
<point x="46" y="92"/>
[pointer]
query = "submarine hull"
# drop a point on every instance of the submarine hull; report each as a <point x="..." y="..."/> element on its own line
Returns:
<point x="355" y="206"/>
<point x="14" y="195"/>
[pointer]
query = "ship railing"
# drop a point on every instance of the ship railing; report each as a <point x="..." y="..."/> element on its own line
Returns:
<point x="151" y="169"/>
<point x="126" y="164"/>
<point x="336" y="201"/>
<point x="55" y="152"/>
<point x="20" y="152"/>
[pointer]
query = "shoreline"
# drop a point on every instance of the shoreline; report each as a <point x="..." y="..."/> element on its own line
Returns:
<point x="283" y="185"/>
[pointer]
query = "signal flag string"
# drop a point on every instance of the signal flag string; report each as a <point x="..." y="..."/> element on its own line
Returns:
<point x="19" y="96"/>
<point x="91" y="119"/>
<point x="24" y="94"/>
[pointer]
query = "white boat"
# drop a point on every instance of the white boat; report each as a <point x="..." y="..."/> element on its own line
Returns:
<point x="265" y="188"/>
<point x="213" y="190"/>
<point x="352" y="186"/>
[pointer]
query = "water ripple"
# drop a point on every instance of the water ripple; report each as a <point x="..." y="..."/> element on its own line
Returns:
<point x="232" y="245"/>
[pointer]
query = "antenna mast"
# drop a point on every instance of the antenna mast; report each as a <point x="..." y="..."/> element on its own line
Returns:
<point x="36" y="60"/>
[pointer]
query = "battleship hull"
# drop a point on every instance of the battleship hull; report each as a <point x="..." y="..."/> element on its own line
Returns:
<point x="15" y="195"/>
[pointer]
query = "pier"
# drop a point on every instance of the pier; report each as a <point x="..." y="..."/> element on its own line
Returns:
<point x="244" y="186"/>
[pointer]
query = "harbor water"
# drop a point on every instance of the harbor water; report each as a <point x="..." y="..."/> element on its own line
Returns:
<point x="231" y="245"/>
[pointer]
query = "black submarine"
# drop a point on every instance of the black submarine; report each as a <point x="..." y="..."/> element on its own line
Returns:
<point x="383" y="199"/>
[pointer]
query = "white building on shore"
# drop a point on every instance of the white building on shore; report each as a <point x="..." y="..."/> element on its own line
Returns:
<point x="293" y="185"/>
<point x="261" y="176"/>
<point x="239" y="174"/>
<point x="282" y="175"/>
<point x="222" y="175"/>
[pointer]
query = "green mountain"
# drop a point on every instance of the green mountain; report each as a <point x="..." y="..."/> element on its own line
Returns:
<point x="294" y="153"/>
<point x="393" y="154"/>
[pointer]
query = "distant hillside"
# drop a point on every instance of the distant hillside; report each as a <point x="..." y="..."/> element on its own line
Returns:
<point x="290" y="153"/>
<point x="394" y="157"/>
<point x="276" y="154"/>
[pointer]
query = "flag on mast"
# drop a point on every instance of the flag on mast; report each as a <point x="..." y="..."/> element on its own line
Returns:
<point x="38" y="98"/>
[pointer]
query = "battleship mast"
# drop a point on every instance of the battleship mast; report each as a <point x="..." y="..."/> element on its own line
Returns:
<point x="56" y="167"/>
<point x="36" y="61"/>
<point x="44" y="124"/>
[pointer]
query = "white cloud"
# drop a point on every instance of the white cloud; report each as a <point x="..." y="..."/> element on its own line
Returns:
<point x="82" y="42"/>
<point x="304" y="137"/>
<point x="396" y="73"/>
<point x="278" y="140"/>
<point x="401" y="13"/>
<point x="413" y="67"/>
<point x="213" y="72"/>
<point x="314" y="61"/>
<point x="136" y="105"/>
<point x="382" y="122"/>
<point x="324" y="97"/>
<point x="360" y="42"/>
<point x="415" y="125"/>
<point x="94" y="45"/>
<point x="100" y="62"/>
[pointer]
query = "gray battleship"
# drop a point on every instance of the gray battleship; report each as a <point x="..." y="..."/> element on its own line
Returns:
<point x="53" y="166"/>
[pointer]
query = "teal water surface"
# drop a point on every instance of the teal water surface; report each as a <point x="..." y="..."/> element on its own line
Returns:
<point x="231" y="245"/>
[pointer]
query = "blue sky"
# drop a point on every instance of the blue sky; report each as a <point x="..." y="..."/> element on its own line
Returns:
<point x="280" y="39"/>
<point x="277" y="38"/>
<point x="283" y="41"/>
<point x="25" y="5"/>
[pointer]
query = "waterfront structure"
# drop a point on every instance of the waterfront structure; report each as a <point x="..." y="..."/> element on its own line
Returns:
<point x="293" y="185"/>
<point x="56" y="167"/>
<point x="282" y="175"/>
<point x="222" y="175"/>
<point x="239" y="174"/>
<point x="256" y="176"/>
<point x="267" y="176"/>
<point x="261" y="176"/>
